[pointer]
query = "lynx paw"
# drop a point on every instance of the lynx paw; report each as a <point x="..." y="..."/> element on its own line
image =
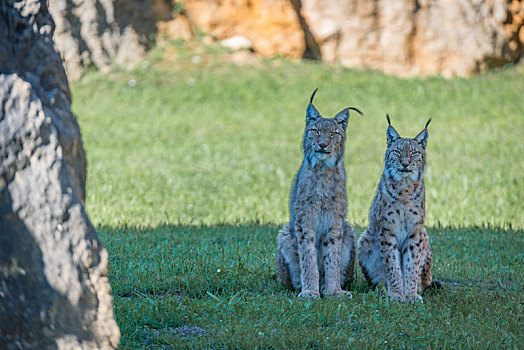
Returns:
<point x="341" y="293"/>
<point x="413" y="298"/>
<point x="395" y="296"/>
<point x="309" y="294"/>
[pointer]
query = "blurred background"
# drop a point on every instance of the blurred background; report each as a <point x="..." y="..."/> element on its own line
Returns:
<point x="192" y="112"/>
<point x="402" y="37"/>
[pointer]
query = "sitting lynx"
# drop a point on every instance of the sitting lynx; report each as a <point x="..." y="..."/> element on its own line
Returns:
<point x="395" y="249"/>
<point x="316" y="250"/>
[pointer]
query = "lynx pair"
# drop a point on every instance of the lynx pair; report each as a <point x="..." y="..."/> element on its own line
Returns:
<point x="316" y="250"/>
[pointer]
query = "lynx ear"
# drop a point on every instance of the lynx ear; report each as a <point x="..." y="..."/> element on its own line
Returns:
<point x="391" y="134"/>
<point x="422" y="137"/>
<point x="342" y="117"/>
<point x="311" y="112"/>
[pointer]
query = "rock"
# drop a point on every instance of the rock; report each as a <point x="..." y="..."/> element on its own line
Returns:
<point x="100" y="32"/>
<point x="177" y="28"/>
<point x="38" y="63"/>
<point x="208" y="40"/>
<point x="237" y="42"/>
<point x="414" y="37"/>
<point x="514" y="30"/>
<point x="271" y="25"/>
<point x="162" y="9"/>
<point x="54" y="289"/>
<point x="397" y="37"/>
<point x="241" y="58"/>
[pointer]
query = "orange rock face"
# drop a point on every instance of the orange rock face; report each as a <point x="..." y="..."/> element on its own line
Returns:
<point x="176" y="28"/>
<point x="401" y="37"/>
<point x="514" y="28"/>
<point x="417" y="37"/>
<point x="271" y="25"/>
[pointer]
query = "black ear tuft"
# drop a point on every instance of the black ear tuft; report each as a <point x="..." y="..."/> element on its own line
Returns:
<point x="391" y="134"/>
<point x="422" y="138"/>
<point x="311" y="112"/>
<point x="342" y="117"/>
<point x="356" y="110"/>
<point x="313" y="96"/>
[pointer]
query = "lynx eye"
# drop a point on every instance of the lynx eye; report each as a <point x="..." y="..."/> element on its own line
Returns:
<point x="397" y="152"/>
<point x="315" y="131"/>
<point x="415" y="153"/>
<point x="333" y="134"/>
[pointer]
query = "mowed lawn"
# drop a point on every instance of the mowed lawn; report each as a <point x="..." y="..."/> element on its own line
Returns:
<point x="190" y="163"/>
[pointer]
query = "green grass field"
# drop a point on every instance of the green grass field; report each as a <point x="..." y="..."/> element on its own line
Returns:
<point x="189" y="171"/>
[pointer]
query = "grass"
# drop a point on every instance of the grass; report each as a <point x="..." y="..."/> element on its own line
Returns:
<point x="189" y="171"/>
<point x="214" y="287"/>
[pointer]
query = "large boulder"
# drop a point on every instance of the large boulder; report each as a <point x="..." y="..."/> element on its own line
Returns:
<point x="54" y="289"/>
<point x="102" y="32"/>
<point x="417" y="37"/>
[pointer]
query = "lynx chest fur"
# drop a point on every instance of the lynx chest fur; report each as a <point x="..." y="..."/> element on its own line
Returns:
<point x="321" y="194"/>
<point x="395" y="250"/>
<point x="316" y="250"/>
<point x="401" y="206"/>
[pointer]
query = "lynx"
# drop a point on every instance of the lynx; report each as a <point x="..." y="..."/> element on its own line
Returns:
<point x="395" y="249"/>
<point x="316" y="250"/>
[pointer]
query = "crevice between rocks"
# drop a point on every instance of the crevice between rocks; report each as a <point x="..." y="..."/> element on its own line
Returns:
<point x="312" y="50"/>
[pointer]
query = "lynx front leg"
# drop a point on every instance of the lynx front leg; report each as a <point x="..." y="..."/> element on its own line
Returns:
<point x="331" y="254"/>
<point x="347" y="254"/>
<point x="370" y="259"/>
<point x="426" y="279"/>
<point x="307" y="253"/>
<point x="410" y="267"/>
<point x="287" y="259"/>
<point x="391" y="256"/>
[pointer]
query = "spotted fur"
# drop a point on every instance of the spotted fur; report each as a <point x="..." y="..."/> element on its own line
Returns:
<point x="395" y="248"/>
<point x="316" y="250"/>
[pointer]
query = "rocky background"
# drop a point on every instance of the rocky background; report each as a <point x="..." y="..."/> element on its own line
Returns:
<point x="405" y="37"/>
<point x="54" y="288"/>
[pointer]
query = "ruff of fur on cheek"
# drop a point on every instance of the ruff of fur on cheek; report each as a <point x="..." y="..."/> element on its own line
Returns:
<point x="415" y="176"/>
<point x="314" y="159"/>
<point x="396" y="175"/>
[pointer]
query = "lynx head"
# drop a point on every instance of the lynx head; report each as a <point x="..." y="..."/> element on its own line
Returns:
<point x="405" y="158"/>
<point x="324" y="138"/>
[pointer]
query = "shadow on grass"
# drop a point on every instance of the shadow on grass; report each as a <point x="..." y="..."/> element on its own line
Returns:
<point x="214" y="287"/>
<point x="222" y="260"/>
